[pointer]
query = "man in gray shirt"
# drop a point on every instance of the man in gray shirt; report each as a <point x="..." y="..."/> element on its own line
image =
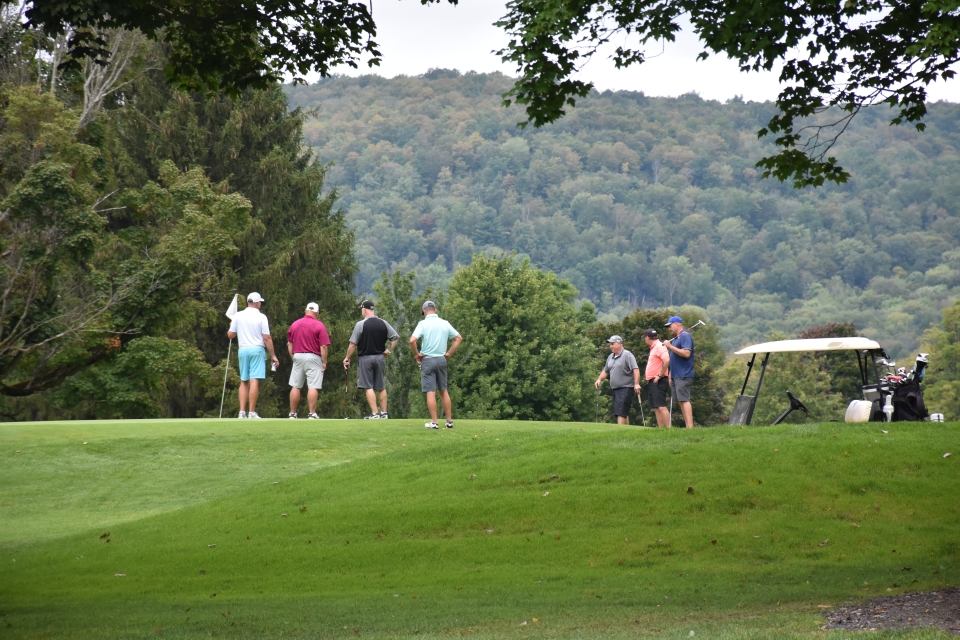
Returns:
<point x="624" y="374"/>
<point x="369" y="339"/>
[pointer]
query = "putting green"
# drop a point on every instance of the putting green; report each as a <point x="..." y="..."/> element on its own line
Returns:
<point x="278" y="528"/>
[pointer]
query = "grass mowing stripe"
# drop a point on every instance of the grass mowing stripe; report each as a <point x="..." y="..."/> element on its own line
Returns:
<point x="586" y="530"/>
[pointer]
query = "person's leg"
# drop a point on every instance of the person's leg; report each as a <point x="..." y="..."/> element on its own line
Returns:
<point x="432" y="405"/>
<point x="383" y="400"/>
<point x="312" y="396"/>
<point x="294" y="399"/>
<point x="447" y="405"/>
<point x="254" y="393"/>
<point x="663" y="416"/>
<point x="371" y="400"/>
<point x="623" y="419"/>
<point x="244" y="392"/>
<point x="686" y="408"/>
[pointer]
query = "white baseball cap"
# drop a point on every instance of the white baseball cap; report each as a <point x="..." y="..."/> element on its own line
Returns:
<point x="255" y="297"/>
<point x="313" y="306"/>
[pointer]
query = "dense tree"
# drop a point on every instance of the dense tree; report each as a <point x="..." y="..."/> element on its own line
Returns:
<point x="834" y="60"/>
<point x="524" y="355"/>
<point x="75" y="288"/>
<point x="942" y="392"/>
<point x="707" y="398"/>
<point x="137" y="227"/>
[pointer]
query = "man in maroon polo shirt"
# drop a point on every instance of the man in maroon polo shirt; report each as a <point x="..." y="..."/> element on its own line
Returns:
<point x="307" y="342"/>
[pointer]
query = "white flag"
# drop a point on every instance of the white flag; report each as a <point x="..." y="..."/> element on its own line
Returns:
<point x="232" y="309"/>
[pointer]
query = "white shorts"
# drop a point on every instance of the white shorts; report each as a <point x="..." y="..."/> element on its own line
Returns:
<point x="307" y="366"/>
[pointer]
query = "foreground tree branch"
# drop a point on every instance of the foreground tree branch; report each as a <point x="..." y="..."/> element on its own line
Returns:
<point x="834" y="56"/>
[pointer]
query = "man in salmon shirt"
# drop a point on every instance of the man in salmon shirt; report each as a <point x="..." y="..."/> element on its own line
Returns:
<point x="658" y="377"/>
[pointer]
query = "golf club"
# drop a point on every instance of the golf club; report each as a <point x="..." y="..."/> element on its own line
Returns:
<point x="346" y="392"/>
<point x="643" y="420"/>
<point x="596" y="416"/>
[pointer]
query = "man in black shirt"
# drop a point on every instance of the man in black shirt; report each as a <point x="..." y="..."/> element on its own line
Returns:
<point x="369" y="339"/>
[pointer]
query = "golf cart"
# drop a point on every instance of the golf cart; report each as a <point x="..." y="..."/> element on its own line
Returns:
<point x="889" y="394"/>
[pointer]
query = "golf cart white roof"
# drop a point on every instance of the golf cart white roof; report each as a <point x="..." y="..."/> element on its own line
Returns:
<point x="814" y="344"/>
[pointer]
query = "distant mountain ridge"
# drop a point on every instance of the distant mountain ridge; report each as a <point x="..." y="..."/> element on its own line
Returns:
<point x="647" y="201"/>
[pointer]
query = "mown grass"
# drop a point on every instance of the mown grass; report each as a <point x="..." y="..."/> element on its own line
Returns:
<point x="337" y="529"/>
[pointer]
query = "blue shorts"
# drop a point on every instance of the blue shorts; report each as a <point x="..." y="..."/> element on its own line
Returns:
<point x="253" y="363"/>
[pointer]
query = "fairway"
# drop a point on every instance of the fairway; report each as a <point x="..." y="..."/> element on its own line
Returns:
<point x="335" y="529"/>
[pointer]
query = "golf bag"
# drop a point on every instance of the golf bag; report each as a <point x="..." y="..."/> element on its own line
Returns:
<point x="908" y="403"/>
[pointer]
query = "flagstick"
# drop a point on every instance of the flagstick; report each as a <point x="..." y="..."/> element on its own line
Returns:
<point x="225" y="369"/>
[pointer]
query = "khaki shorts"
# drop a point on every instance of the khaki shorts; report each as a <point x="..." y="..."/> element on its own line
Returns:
<point x="306" y="367"/>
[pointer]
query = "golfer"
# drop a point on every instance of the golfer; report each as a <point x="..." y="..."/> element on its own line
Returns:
<point x="307" y="342"/>
<point x="252" y="331"/>
<point x="432" y="358"/>
<point x="369" y="339"/>
<point x="657" y="375"/>
<point x="681" y="367"/>
<point x="624" y="375"/>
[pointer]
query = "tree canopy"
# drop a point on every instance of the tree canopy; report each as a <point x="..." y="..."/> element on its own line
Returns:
<point x="835" y="58"/>
<point x="220" y="45"/>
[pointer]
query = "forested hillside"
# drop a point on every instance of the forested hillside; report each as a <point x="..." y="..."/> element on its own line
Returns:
<point x="648" y="202"/>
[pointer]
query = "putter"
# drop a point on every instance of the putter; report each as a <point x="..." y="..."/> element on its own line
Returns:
<point x="596" y="416"/>
<point x="643" y="420"/>
<point x="346" y="392"/>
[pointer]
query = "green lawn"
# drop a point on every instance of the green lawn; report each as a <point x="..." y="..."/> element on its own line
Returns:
<point x="282" y="529"/>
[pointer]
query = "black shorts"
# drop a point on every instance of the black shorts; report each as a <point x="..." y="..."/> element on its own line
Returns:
<point x="657" y="392"/>
<point x="622" y="399"/>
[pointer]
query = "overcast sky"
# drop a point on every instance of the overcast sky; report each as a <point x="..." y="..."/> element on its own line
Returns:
<point x="414" y="38"/>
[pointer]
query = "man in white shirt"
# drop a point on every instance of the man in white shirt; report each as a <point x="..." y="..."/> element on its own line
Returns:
<point x="252" y="331"/>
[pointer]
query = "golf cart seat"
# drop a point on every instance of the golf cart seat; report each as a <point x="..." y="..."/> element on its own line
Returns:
<point x="742" y="410"/>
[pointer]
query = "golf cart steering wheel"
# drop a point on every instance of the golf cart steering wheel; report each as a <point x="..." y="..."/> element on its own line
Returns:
<point x="795" y="403"/>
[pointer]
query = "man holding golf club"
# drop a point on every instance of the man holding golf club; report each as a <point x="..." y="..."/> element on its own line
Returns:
<point x="369" y="339"/>
<point x="624" y="373"/>
<point x="681" y="367"/>
<point x="657" y="374"/>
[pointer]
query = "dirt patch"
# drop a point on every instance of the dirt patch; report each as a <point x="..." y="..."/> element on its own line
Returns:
<point x="939" y="609"/>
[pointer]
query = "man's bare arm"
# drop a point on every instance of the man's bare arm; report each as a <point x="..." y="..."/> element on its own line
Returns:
<point x="323" y="356"/>
<point x="268" y="342"/>
<point x="346" y="359"/>
<point x="416" y="351"/>
<point x="453" y="348"/>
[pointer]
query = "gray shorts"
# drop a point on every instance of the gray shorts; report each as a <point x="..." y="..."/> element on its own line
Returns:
<point x="681" y="389"/>
<point x="307" y="366"/>
<point x="433" y="374"/>
<point x="370" y="372"/>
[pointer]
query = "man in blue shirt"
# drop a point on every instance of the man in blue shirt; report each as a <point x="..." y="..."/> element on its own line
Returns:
<point x="432" y="358"/>
<point x="681" y="367"/>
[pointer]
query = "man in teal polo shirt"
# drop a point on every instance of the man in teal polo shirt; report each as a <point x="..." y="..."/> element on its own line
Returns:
<point x="432" y="358"/>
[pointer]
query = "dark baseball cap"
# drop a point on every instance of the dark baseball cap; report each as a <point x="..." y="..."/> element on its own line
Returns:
<point x="650" y="333"/>
<point x="367" y="304"/>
